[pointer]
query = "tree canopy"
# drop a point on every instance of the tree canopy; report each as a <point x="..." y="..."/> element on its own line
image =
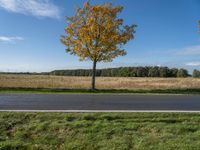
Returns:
<point x="96" y="33"/>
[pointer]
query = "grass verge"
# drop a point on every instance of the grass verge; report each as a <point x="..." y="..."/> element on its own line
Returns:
<point x="87" y="91"/>
<point x="99" y="131"/>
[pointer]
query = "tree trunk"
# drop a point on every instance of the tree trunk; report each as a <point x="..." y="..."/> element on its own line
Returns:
<point x="93" y="74"/>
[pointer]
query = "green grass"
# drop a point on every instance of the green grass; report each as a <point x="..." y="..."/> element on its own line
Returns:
<point x="99" y="131"/>
<point x="87" y="91"/>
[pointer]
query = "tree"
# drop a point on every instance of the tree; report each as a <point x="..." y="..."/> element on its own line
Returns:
<point x="196" y="74"/>
<point x="96" y="33"/>
<point x="153" y="72"/>
<point x="142" y="72"/>
<point x="164" y="72"/>
<point x="173" y="72"/>
<point x="182" y="73"/>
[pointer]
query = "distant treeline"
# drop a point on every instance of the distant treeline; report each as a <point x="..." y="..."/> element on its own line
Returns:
<point x="126" y="72"/>
<point x="121" y="72"/>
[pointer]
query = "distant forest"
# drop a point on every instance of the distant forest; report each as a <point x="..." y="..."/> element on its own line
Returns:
<point x="126" y="72"/>
<point x="122" y="72"/>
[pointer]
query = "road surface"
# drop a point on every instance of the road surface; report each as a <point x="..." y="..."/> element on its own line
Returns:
<point x="99" y="102"/>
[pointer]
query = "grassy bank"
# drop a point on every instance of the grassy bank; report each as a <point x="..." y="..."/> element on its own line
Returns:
<point x="105" y="131"/>
<point x="103" y="91"/>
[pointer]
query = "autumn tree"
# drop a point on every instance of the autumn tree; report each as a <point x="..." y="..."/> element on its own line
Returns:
<point x="96" y="33"/>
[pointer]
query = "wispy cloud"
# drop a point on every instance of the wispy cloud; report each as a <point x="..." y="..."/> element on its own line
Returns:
<point x="38" y="8"/>
<point x="10" y="39"/>
<point x="193" y="64"/>
<point x="191" y="50"/>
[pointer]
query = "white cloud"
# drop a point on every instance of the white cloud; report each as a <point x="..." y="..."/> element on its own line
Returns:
<point x="194" y="64"/>
<point x="191" y="50"/>
<point x="38" y="8"/>
<point x="10" y="39"/>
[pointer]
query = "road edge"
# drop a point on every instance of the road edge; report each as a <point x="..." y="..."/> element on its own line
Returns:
<point x="102" y="111"/>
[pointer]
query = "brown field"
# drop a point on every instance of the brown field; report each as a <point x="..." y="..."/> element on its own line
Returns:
<point x="60" y="82"/>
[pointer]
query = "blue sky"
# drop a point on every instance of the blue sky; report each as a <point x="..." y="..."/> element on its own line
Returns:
<point x="167" y="34"/>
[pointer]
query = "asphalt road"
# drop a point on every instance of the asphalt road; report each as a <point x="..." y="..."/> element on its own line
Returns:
<point x="99" y="102"/>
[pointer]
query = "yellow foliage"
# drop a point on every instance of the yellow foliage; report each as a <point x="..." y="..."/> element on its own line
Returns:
<point x="96" y="33"/>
